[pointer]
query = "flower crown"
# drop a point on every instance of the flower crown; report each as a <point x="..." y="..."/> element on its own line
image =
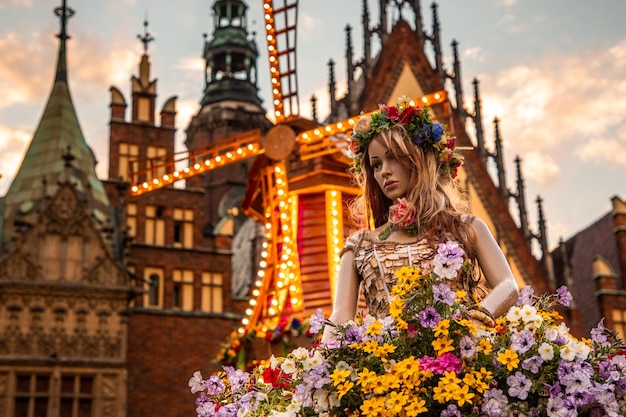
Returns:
<point x="419" y="126"/>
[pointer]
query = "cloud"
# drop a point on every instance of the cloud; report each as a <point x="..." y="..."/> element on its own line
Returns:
<point x="13" y="143"/>
<point x="601" y="151"/>
<point x="474" y="53"/>
<point x="562" y="99"/>
<point x="21" y="75"/>
<point x="540" y="167"/>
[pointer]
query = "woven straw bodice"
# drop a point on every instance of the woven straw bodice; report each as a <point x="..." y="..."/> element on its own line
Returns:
<point x="374" y="258"/>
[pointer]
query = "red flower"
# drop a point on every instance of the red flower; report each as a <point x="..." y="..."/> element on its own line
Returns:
<point x="353" y="146"/>
<point x="409" y="112"/>
<point x="275" y="377"/>
<point x="392" y="112"/>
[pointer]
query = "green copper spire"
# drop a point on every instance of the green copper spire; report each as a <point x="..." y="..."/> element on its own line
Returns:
<point x="57" y="154"/>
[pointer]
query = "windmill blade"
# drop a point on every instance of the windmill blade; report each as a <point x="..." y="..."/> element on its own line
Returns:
<point x="280" y="27"/>
<point x="153" y="173"/>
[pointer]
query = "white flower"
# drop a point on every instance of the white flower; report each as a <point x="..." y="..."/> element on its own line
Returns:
<point x="583" y="350"/>
<point x="568" y="352"/>
<point x="563" y="329"/>
<point x="320" y="399"/>
<point x="300" y="353"/>
<point x="551" y="334"/>
<point x="295" y="406"/>
<point x="528" y="313"/>
<point x="313" y="361"/>
<point x="288" y="366"/>
<point x="514" y="315"/>
<point x="196" y="383"/>
<point x="334" y="400"/>
<point x="273" y="362"/>
<point x="546" y="351"/>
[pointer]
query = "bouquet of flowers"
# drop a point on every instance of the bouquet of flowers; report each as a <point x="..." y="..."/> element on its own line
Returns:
<point x="428" y="357"/>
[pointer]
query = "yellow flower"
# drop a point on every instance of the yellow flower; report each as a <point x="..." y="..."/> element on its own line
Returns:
<point x="401" y="324"/>
<point x="373" y="406"/>
<point x="370" y="346"/>
<point x="379" y="385"/>
<point x="415" y="406"/>
<point x="460" y="295"/>
<point x="374" y="329"/>
<point x="384" y="350"/>
<point x="339" y="376"/>
<point x="342" y="389"/>
<point x="449" y="378"/>
<point x="469" y="325"/>
<point x="485" y="346"/>
<point x="462" y="396"/>
<point x="407" y="367"/>
<point x="509" y="358"/>
<point x="443" y="392"/>
<point x="442" y="328"/>
<point x="442" y="345"/>
<point x="396" y="308"/>
<point x="366" y="377"/>
<point x="396" y="401"/>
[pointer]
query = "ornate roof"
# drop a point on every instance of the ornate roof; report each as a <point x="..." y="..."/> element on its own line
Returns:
<point x="57" y="154"/>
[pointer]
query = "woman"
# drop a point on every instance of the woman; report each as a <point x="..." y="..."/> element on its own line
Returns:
<point x="405" y="165"/>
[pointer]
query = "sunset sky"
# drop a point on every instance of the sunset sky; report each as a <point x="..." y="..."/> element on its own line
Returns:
<point x="553" y="72"/>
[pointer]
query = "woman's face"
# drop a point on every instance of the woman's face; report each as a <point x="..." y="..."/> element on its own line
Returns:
<point x="391" y="176"/>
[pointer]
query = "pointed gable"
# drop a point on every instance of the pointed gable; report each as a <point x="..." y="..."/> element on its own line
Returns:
<point x="402" y="69"/>
<point x="400" y="61"/>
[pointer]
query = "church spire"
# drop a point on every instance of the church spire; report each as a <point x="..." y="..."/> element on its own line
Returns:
<point x="64" y="13"/>
<point x="58" y="131"/>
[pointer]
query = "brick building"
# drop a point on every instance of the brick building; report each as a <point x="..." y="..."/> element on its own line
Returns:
<point x="109" y="301"/>
<point x="593" y="262"/>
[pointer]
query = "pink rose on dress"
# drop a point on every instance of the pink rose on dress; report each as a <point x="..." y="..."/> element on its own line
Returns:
<point x="403" y="214"/>
<point x="363" y="125"/>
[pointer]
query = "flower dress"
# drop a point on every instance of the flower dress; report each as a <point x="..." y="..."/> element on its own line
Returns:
<point x="374" y="258"/>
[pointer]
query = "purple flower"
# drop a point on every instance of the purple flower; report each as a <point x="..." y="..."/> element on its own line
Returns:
<point x="559" y="407"/>
<point x="443" y="293"/>
<point x="353" y="335"/>
<point x="577" y="381"/>
<point x="526" y="295"/>
<point x="317" y="321"/>
<point x="494" y="402"/>
<point x="599" y="334"/>
<point x="448" y="260"/>
<point x="214" y="385"/>
<point x="451" y="411"/>
<point x="467" y="347"/>
<point x="563" y="296"/>
<point x="196" y="382"/>
<point x="532" y="364"/>
<point x="519" y="385"/>
<point x="522" y="342"/>
<point x="429" y="318"/>
<point x="236" y="377"/>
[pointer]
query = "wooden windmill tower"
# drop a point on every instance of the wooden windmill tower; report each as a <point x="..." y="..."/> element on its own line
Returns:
<point x="298" y="187"/>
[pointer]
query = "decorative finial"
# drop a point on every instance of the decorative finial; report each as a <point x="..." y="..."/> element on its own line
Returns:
<point x="147" y="37"/>
<point x="64" y="13"/>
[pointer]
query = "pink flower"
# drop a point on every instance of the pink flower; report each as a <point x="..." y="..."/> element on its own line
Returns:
<point x="353" y="146"/>
<point x="403" y="214"/>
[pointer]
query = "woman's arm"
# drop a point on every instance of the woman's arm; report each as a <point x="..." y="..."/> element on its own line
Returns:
<point x="346" y="294"/>
<point x="504" y="290"/>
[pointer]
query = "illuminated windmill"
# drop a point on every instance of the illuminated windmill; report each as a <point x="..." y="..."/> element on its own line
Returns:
<point x="297" y="187"/>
